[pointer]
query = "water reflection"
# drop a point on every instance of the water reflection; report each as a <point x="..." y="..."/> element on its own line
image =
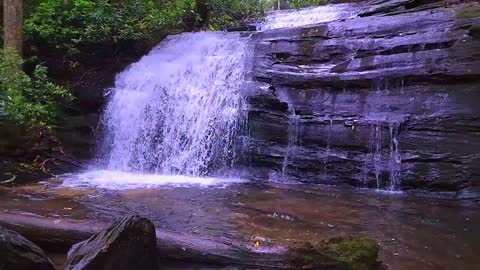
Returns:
<point x="413" y="232"/>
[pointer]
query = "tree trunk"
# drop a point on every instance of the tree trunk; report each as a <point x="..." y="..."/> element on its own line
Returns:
<point x="202" y="9"/>
<point x="13" y="25"/>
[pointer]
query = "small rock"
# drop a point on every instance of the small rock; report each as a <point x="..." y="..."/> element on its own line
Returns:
<point x="130" y="243"/>
<point x="18" y="253"/>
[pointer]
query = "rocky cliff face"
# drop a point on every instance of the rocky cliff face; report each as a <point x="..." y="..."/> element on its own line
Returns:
<point x="386" y="97"/>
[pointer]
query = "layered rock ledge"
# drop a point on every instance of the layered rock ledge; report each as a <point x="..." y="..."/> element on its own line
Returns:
<point x="385" y="97"/>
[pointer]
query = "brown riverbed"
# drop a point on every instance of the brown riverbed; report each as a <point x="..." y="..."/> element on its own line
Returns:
<point x="414" y="232"/>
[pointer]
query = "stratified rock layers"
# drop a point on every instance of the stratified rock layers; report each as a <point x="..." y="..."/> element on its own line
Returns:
<point x="387" y="99"/>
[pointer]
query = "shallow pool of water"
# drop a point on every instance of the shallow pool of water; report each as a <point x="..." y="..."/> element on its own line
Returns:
<point x="414" y="232"/>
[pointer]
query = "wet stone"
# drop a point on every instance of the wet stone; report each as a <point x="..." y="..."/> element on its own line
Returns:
<point x="394" y="86"/>
<point x="18" y="253"/>
<point x="129" y="243"/>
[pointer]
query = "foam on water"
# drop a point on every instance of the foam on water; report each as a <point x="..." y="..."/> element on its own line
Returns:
<point x="126" y="180"/>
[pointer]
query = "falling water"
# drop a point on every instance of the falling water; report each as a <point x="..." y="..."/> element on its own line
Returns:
<point x="384" y="161"/>
<point x="327" y="150"/>
<point x="177" y="110"/>
<point x="292" y="139"/>
<point x="395" y="157"/>
<point x="306" y="16"/>
<point x="376" y="143"/>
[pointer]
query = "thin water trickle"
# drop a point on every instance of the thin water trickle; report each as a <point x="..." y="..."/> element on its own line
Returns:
<point x="384" y="161"/>
<point x="395" y="157"/>
<point x="377" y="154"/>
<point x="292" y="139"/>
<point x="327" y="149"/>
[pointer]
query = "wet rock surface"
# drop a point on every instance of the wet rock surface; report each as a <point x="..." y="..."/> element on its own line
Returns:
<point x="18" y="253"/>
<point x="386" y="98"/>
<point x="130" y="243"/>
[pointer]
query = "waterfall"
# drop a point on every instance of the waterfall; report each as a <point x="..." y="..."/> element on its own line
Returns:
<point x="174" y="116"/>
<point x="177" y="110"/>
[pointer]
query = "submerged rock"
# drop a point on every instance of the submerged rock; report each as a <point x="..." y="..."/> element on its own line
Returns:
<point x="355" y="253"/>
<point x="18" y="253"/>
<point x="129" y="243"/>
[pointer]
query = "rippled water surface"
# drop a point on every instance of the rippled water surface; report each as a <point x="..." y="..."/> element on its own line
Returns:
<point x="413" y="232"/>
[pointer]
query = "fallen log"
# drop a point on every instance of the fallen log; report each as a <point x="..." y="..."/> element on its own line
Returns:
<point x="48" y="232"/>
<point x="60" y="233"/>
<point x="341" y="253"/>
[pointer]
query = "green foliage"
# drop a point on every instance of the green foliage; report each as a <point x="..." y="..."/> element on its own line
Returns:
<point x="74" y="25"/>
<point x="229" y="13"/>
<point x="305" y="3"/>
<point x="289" y="4"/>
<point x="27" y="101"/>
<point x="468" y="13"/>
<point x="472" y="14"/>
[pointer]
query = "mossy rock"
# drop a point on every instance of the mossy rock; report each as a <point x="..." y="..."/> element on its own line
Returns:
<point x="469" y="12"/>
<point x="474" y="31"/>
<point x="353" y="253"/>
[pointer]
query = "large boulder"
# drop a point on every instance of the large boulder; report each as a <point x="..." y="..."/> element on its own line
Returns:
<point x="129" y="243"/>
<point x="18" y="253"/>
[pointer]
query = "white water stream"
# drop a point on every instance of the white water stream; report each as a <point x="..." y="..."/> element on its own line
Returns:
<point x="173" y="116"/>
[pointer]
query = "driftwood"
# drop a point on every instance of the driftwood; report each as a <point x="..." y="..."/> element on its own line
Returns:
<point x="60" y="233"/>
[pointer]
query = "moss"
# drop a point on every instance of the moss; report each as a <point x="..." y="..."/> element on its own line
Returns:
<point x="306" y="255"/>
<point x="469" y="12"/>
<point x="355" y="253"/>
<point x="358" y="253"/>
<point x="474" y="31"/>
<point x="472" y="17"/>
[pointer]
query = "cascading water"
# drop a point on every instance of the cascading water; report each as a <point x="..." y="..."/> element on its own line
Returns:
<point x="395" y="157"/>
<point x="381" y="161"/>
<point x="327" y="150"/>
<point x="177" y="115"/>
<point x="293" y="126"/>
<point x="176" y="112"/>
<point x="306" y="16"/>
